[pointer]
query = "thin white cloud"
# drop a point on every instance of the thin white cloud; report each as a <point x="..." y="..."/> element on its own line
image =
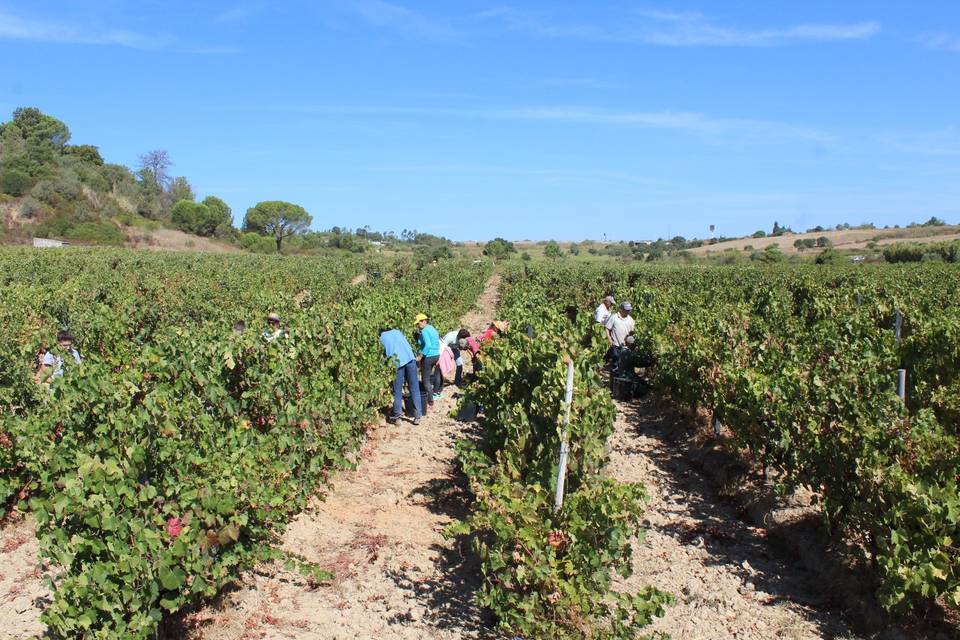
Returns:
<point x="941" y="142"/>
<point x="14" y="27"/>
<point x="584" y="83"/>
<point x="941" y="41"/>
<point x="683" y="122"/>
<point x="564" y="175"/>
<point x="675" y="29"/>
<point x="211" y="51"/>
<point x="240" y="12"/>
<point x="400" y="19"/>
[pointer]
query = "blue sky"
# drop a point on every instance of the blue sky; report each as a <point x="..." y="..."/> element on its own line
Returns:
<point x="625" y="120"/>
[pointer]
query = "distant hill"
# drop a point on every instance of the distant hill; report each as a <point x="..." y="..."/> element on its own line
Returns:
<point x="852" y="239"/>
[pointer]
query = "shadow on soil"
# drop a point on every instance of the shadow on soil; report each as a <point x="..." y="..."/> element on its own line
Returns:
<point x="729" y="541"/>
<point x="722" y="530"/>
<point x="450" y="595"/>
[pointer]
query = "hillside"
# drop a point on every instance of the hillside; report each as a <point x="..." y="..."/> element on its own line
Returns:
<point x="852" y="239"/>
<point x="53" y="189"/>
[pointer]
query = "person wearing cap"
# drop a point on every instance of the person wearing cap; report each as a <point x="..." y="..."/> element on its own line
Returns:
<point x="54" y="362"/>
<point x="603" y="310"/>
<point x="428" y="341"/>
<point x="619" y="325"/>
<point x="273" y="329"/>
<point x="400" y="354"/>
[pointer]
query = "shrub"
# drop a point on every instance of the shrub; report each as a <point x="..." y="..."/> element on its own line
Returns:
<point x="830" y="256"/>
<point x="44" y="192"/>
<point x="903" y="252"/>
<point x="29" y="208"/>
<point x="769" y="255"/>
<point x="55" y="227"/>
<point x="256" y="243"/>
<point x="915" y="252"/>
<point x="14" y="182"/>
<point x="97" y="232"/>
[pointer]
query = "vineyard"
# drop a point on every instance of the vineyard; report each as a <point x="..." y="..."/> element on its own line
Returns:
<point x="173" y="459"/>
<point x="170" y="460"/>
<point x="800" y="364"/>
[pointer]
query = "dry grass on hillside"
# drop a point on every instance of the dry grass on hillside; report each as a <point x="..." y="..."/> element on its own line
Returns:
<point x="852" y="239"/>
<point x="173" y="240"/>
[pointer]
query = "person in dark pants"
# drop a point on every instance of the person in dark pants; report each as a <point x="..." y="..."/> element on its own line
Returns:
<point x="400" y="354"/>
<point x="429" y="343"/>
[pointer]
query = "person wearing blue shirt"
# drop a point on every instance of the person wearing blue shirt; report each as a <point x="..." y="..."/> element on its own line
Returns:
<point x="428" y="341"/>
<point x="400" y="354"/>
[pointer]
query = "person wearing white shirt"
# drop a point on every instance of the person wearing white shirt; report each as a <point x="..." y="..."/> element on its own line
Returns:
<point x="619" y="325"/>
<point x="603" y="311"/>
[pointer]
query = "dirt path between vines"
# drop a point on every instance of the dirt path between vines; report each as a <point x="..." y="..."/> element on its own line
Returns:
<point x="22" y="591"/>
<point x="728" y="580"/>
<point x="379" y="530"/>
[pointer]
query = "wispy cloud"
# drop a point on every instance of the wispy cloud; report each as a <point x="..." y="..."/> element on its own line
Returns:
<point x="400" y="19"/>
<point x="941" y="41"/>
<point x="240" y="12"/>
<point x="564" y="175"/>
<point x="683" y="122"/>
<point x="14" y="27"/>
<point x="675" y="29"/>
<point x="696" y="29"/>
<point x="941" y="142"/>
<point x="584" y="83"/>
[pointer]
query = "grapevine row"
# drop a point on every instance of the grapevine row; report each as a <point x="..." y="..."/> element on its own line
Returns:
<point x="547" y="573"/>
<point x="799" y="363"/>
<point x="174" y="456"/>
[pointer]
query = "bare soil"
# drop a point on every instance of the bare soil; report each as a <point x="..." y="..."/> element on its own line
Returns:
<point x="729" y="581"/>
<point x="22" y="591"/>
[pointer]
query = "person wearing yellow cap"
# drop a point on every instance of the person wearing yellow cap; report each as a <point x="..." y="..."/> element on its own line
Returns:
<point x="428" y="341"/>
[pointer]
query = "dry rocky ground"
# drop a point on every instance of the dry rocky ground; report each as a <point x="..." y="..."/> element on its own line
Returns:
<point x="728" y="581"/>
<point x="22" y="591"/>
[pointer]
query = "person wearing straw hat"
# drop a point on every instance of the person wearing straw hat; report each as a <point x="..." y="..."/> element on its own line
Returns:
<point x="496" y="327"/>
<point x="273" y="330"/>
<point x="428" y="341"/>
<point x="603" y="310"/>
